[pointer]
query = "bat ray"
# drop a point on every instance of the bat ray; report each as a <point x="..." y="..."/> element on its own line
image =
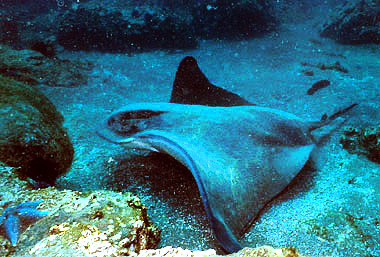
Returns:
<point x="191" y="86"/>
<point x="241" y="156"/>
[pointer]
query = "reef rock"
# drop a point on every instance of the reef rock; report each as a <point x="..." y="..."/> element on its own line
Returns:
<point x="132" y="26"/>
<point x="267" y="251"/>
<point x="232" y="19"/>
<point x="33" y="68"/>
<point x="355" y="22"/>
<point x="264" y="251"/>
<point x="121" y="26"/>
<point x="99" y="223"/>
<point x="31" y="133"/>
<point x="363" y="141"/>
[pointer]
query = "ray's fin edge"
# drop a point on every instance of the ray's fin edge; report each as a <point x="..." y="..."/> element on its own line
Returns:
<point x="223" y="234"/>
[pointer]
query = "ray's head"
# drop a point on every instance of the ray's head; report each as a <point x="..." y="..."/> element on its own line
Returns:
<point x="125" y="124"/>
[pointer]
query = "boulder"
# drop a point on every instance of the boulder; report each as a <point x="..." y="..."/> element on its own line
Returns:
<point x="34" y="68"/>
<point x="355" y="22"/>
<point x="226" y="19"/>
<point x="110" y="27"/>
<point x="31" y="133"/>
<point x="364" y="141"/>
<point x="263" y="251"/>
<point x="94" y="223"/>
<point x="134" y="26"/>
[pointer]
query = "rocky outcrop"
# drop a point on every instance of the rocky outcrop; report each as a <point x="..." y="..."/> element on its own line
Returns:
<point x="364" y="141"/>
<point x="109" y="28"/>
<point x="98" y="223"/>
<point x="355" y="22"/>
<point x="232" y="19"/>
<point x="31" y="133"/>
<point x="33" y="68"/>
<point x="264" y="251"/>
<point x="95" y="223"/>
<point x="135" y="26"/>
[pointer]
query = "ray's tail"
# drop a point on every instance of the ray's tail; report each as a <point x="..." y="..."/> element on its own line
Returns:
<point x="325" y="120"/>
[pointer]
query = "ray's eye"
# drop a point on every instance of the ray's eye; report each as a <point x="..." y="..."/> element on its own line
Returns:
<point x="134" y="128"/>
<point x="128" y="123"/>
<point x="129" y="127"/>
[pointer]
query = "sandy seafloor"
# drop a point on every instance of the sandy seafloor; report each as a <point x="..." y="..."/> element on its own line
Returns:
<point x="331" y="208"/>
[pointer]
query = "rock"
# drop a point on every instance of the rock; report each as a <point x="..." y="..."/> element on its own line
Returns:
<point x="232" y="19"/>
<point x="355" y="22"/>
<point x="99" y="223"/>
<point x="308" y="72"/>
<point x="45" y="48"/>
<point x="20" y="23"/>
<point x="9" y="31"/>
<point x="34" y="68"/>
<point x="322" y="66"/>
<point x="122" y="27"/>
<point x="133" y="26"/>
<point x="363" y="141"/>
<point x="31" y="133"/>
<point x="169" y="251"/>
<point x="267" y="251"/>
<point x="263" y="251"/>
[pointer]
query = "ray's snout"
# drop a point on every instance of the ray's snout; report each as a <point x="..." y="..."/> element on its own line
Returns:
<point x="120" y="126"/>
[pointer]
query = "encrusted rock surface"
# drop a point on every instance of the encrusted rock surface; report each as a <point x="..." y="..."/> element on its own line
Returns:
<point x="134" y="26"/>
<point x="169" y="251"/>
<point x="110" y="27"/>
<point x="363" y="141"/>
<point x="33" y="68"/>
<point x="99" y="223"/>
<point x="232" y="19"/>
<point x="264" y="251"/>
<point x="355" y="22"/>
<point x="31" y="132"/>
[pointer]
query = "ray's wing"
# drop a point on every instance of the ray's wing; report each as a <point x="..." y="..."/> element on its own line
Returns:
<point x="241" y="157"/>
